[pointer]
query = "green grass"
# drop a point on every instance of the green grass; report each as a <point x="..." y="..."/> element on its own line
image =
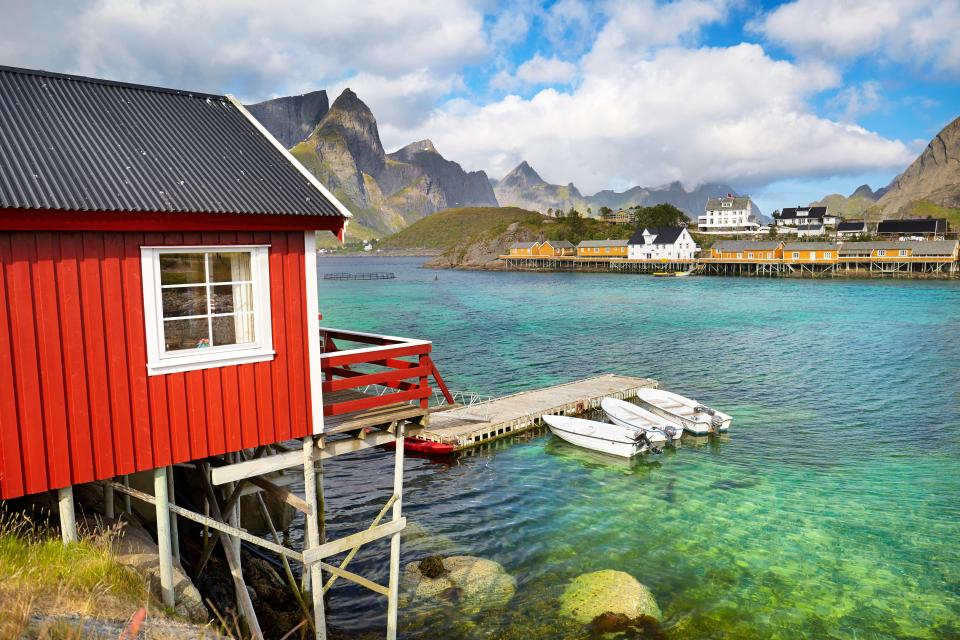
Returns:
<point x="924" y="208"/>
<point x="444" y="229"/>
<point x="41" y="575"/>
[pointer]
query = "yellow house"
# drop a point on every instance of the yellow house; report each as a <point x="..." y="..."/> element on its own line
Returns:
<point x="554" y="248"/>
<point x="747" y="250"/>
<point x="892" y="251"/>
<point x="810" y="252"/>
<point x="602" y="249"/>
<point x="523" y="248"/>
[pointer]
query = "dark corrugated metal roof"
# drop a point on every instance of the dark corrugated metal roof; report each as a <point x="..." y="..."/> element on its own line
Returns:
<point x="913" y="225"/>
<point x="664" y="235"/>
<point x="83" y="144"/>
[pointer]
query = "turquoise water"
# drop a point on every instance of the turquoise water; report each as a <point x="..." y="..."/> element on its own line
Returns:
<point x="830" y="511"/>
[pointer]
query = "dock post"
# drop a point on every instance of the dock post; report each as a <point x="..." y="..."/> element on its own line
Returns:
<point x="174" y="533"/>
<point x="108" y="507"/>
<point x="394" y="583"/>
<point x="163" y="536"/>
<point x="68" y="518"/>
<point x="312" y="577"/>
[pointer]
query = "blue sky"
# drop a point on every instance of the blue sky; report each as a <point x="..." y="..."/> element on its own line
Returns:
<point x="787" y="101"/>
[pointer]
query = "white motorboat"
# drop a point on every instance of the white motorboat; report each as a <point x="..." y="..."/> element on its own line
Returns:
<point x="599" y="436"/>
<point x="696" y="418"/>
<point x="628" y="414"/>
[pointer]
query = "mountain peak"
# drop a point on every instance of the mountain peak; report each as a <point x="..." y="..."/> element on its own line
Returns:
<point x="523" y="172"/>
<point x="420" y="146"/>
<point x="291" y="119"/>
<point x="349" y="101"/>
<point x="864" y="191"/>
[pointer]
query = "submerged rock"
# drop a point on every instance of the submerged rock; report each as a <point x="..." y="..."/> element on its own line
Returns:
<point x="606" y="593"/>
<point x="465" y="582"/>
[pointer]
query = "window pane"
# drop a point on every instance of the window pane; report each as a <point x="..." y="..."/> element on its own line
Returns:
<point x="228" y="298"/>
<point x="184" y="301"/>
<point x="236" y="329"/>
<point x="181" y="268"/>
<point x="185" y="334"/>
<point x="230" y="267"/>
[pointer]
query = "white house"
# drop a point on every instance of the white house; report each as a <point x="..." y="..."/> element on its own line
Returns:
<point x="662" y="243"/>
<point x="851" y="229"/>
<point x="806" y="217"/>
<point x="729" y="214"/>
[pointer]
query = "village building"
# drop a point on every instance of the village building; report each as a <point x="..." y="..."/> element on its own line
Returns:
<point x="623" y="216"/>
<point x="799" y="252"/>
<point x="851" y="229"/>
<point x="523" y="248"/>
<point x="913" y="228"/>
<point x="662" y="243"/>
<point x="748" y="250"/>
<point x="806" y="217"/>
<point x="158" y="262"/>
<point x="602" y="249"/>
<point x="554" y="248"/>
<point x="728" y="215"/>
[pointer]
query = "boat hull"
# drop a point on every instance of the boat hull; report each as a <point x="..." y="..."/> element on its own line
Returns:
<point x="630" y="415"/>
<point x="678" y="410"/>
<point x="597" y="436"/>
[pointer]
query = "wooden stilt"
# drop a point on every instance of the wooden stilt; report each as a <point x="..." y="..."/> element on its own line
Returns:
<point x="233" y="559"/>
<point x="394" y="583"/>
<point x="174" y="532"/>
<point x="312" y="576"/>
<point x="108" y="507"/>
<point x="68" y="518"/>
<point x="160" y="488"/>
<point x="126" y="497"/>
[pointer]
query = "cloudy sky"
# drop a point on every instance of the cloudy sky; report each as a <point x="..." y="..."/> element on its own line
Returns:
<point x="787" y="101"/>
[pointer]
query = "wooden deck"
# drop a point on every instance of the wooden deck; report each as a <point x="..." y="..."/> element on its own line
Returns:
<point x="385" y="417"/>
<point x="470" y="426"/>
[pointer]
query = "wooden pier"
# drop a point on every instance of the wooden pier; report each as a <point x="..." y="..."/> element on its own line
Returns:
<point x="469" y="426"/>
<point x="372" y="275"/>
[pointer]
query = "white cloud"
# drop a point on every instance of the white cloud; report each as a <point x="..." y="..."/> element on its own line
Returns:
<point x="857" y="100"/>
<point x="694" y="115"/>
<point x="248" y="47"/>
<point x="537" y="71"/>
<point x="921" y="32"/>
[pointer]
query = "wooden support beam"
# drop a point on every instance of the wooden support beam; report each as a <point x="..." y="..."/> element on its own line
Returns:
<point x="340" y="545"/>
<point x="356" y="578"/>
<point x="312" y="575"/>
<point x="160" y="489"/>
<point x="393" y="596"/>
<point x="255" y="467"/>
<point x="353" y="552"/>
<point x="68" y="518"/>
<point x="283" y="494"/>
<point x="108" y="506"/>
<point x="215" y="524"/>
<point x="233" y="559"/>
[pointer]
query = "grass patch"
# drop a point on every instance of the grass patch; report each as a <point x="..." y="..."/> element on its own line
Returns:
<point x="42" y="576"/>
<point x="925" y="208"/>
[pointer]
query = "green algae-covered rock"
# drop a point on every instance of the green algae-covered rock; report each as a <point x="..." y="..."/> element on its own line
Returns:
<point x="468" y="583"/>
<point x="607" y="592"/>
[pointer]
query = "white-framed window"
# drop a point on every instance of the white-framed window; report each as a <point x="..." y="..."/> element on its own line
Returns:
<point x="881" y="253"/>
<point x="903" y="253"/>
<point x="750" y="255"/>
<point x="827" y="255"/>
<point x="739" y="256"/>
<point x="796" y="255"/>
<point x="206" y="306"/>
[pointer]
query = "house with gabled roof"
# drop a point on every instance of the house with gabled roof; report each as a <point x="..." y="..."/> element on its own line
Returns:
<point x="749" y="250"/>
<point x="913" y="228"/>
<point x="729" y="214"/>
<point x="815" y="216"/>
<point x="159" y="274"/>
<point x="602" y="249"/>
<point x="810" y="252"/>
<point x="523" y="248"/>
<point x="554" y="248"/>
<point x="851" y="229"/>
<point x="662" y="243"/>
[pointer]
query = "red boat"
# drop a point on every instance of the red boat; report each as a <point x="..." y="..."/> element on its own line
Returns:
<point x="413" y="444"/>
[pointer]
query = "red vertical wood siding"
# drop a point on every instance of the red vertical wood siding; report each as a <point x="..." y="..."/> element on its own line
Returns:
<point x="76" y="403"/>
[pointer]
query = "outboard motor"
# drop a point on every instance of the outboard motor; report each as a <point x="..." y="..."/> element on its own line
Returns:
<point x="702" y="409"/>
<point x="716" y="422"/>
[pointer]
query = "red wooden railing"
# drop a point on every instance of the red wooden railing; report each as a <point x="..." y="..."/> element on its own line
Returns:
<point x="403" y="364"/>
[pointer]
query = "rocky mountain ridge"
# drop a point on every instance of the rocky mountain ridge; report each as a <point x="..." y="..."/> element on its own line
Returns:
<point x="291" y="119"/>
<point x="934" y="177"/>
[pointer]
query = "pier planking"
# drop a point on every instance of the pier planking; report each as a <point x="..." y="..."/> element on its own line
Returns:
<point x="519" y="412"/>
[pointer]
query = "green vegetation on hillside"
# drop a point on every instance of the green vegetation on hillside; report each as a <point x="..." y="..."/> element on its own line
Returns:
<point x="444" y="229"/>
<point x="927" y="209"/>
<point x="459" y="227"/>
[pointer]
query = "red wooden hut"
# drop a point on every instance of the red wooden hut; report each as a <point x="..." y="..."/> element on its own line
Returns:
<point x="158" y="286"/>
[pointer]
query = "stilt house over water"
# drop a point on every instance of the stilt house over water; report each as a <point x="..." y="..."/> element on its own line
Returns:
<point x="158" y="306"/>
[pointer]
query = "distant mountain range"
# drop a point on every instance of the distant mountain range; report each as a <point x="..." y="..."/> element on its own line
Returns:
<point x="340" y="144"/>
<point x="929" y="186"/>
<point x="523" y="187"/>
